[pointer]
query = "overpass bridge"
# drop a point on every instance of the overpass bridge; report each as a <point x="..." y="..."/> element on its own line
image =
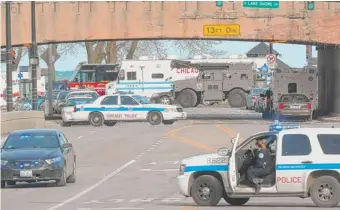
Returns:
<point x="291" y="22"/>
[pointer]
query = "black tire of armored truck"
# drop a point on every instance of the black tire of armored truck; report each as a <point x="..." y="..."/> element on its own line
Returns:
<point x="187" y="98"/>
<point x="237" y="98"/>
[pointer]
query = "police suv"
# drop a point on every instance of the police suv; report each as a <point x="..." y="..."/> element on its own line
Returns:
<point x="306" y="163"/>
<point x="109" y="109"/>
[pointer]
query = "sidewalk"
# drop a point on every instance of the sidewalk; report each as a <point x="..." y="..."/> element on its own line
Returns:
<point x="330" y="118"/>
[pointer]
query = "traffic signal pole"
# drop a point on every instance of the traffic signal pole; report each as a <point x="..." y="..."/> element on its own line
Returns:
<point x="34" y="54"/>
<point x="9" y="88"/>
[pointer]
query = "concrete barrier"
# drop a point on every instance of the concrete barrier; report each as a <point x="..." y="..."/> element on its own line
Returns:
<point x="11" y="121"/>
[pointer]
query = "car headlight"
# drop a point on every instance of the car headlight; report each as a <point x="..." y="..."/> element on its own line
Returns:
<point x="182" y="169"/>
<point x="53" y="160"/>
<point x="170" y="110"/>
<point x="4" y="162"/>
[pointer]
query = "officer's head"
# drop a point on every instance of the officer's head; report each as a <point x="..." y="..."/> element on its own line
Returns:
<point x="259" y="143"/>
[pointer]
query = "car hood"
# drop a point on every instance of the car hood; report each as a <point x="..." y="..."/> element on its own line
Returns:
<point x="29" y="154"/>
<point x="162" y="106"/>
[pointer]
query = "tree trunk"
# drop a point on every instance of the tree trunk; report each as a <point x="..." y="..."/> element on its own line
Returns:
<point x="18" y="59"/>
<point x="95" y="52"/>
<point x="111" y="52"/>
<point x="133" y="47"/>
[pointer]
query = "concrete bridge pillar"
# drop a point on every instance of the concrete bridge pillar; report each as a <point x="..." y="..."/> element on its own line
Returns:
<point x="329" y="80"/>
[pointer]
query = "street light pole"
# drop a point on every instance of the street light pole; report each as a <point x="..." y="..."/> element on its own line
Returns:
<point x="9" y="94"/>
<point x="34" y="59"/>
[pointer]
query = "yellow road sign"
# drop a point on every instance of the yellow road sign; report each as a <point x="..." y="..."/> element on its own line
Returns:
<point x="222" y="30"/>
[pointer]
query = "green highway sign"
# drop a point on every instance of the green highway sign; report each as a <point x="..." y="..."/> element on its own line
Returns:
<point x="262" y="4"/>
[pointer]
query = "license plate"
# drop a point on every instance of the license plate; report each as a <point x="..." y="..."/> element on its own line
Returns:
<point x="295" y="107"/>
<point x="26" y="174"/>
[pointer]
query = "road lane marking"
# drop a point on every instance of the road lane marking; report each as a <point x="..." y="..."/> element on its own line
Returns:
<point x="173" y="134"/>
<point x="123" y="208"/>
<point x="229" y="131"/>
<point x="158" y="170"/>
<point x="79" y="137"/>
<point x="89" y="189"/>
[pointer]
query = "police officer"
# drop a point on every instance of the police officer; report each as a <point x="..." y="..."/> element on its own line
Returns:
<point x="263" y="164"/>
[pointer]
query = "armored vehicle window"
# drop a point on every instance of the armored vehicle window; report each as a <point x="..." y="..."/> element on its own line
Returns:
<point x="290" y="142"/>
<point x="244" y="76"/>
<point x="110" y="100"/>
<point x="330" y="143"/>
<point x="227" y="76"/>
<point x="206" y="76"/>
<point x="131" y="75"/>
<point x="292" y="88"/>
<point x="157" y="76"/>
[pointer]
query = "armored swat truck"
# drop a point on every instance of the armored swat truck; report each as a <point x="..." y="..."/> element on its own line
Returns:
<point x="300" y="81"/>
<point x="215" y="82"/>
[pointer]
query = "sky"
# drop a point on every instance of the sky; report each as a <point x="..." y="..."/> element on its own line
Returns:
<point x="293" y="55"/>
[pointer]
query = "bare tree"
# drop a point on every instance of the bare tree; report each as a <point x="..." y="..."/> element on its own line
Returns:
<point x="20" y="52"/>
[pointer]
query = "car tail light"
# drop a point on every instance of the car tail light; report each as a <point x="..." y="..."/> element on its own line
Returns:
<point x="281" y="106"/>
<point x="309" y="106"/>
<point x="74" y="109"/>
<point x="253" y="98"/>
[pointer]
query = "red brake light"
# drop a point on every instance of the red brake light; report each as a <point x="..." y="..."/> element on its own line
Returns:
<point x="253" y="97"/>
<point x="74" y="109"/>
<point x="309" y="106"/>
<point x="281" y="106"/>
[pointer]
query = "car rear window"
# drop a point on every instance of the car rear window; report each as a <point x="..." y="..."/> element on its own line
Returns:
<point x="330" y="143"/>
<point x="300" y="98"/>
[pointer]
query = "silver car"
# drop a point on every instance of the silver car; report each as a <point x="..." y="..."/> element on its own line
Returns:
<point x="68" y="108"/>
<point x="294" y="105"/>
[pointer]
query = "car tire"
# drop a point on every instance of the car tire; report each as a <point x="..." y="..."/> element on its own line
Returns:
<point x="155" y="118"/>
<point x="11" y="182"/>
<point x="206" y="182"/>
<point x="96" y="119"/>
<point x="187" y="98"/>
<point x="237" y="98"/>
<point x="72" y="177"/>
<point x="62" y="182"/>
<point x="110" y="123"/>
<point x="317" y="191"/>
<point x="3" y="184"/>
<point x="235" y="201"/>
<point x="65" y="124"/>
<point x="165" y="100"/>
<point x="168" y="122"/>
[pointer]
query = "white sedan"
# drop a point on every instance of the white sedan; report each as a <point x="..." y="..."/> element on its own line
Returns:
<point x="110" y="109"/>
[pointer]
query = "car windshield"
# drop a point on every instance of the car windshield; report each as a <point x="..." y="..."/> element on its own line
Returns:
<point x="94" y="95"/>
<point x="297" y="98"/>
<point x="29" y="140"/>
<point x="257" y="90"/>
<point x="54" y="95"/>
<point x="142" y="99"/>
<point x="62" y="95"/>
<point x="78" y="101"/>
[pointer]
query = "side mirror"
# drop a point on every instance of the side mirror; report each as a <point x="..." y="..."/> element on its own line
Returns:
<point x="223" y="151"/>
<point x="262" y="95"/>
<point x="233" y="140"/>
<point x="67" y="145"/>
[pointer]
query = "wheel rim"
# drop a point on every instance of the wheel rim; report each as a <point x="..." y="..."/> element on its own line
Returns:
<point x="154" y="118"/>
<point x="325" y="192"/>
<point x="204" y="191"/>
<point x="237" y="98"/>
<point x="96" y="119"/>
<point x="165" y="100"/>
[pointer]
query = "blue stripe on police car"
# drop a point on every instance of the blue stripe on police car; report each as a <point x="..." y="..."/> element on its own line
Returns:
<point x="120" y="109"/>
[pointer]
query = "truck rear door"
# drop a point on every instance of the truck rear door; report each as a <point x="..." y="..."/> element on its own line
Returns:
<point x="213" y="85"/>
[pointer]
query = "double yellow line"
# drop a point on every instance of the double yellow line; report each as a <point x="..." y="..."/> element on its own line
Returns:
<point x="190" y="208"/>
<point x="174" y="134"/>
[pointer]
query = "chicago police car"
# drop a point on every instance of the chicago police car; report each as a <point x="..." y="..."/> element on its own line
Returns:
<point x="109" y="109"/>
<point x="306" y="163"/>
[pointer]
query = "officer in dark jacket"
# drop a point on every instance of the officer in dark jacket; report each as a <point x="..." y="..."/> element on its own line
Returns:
<point x="263" y="164"/>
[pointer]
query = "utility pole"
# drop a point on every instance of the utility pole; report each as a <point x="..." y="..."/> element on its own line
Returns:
<point x="34" y="58"/>
<point x="9" y="94"/>
<point x="270" y="48"/>
<point x="50" y="72"/>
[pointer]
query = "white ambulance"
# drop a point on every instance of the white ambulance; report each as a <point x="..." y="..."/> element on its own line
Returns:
<point x="147" y="76"/>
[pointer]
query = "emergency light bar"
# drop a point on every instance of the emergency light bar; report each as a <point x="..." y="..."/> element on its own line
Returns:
<point x="279" y="127"/>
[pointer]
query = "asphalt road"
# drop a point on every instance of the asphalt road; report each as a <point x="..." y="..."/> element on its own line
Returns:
<point x="133" y="166"/>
